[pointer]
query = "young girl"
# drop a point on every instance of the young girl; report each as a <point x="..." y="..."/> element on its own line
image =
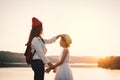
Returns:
<point x="64" y="71"/>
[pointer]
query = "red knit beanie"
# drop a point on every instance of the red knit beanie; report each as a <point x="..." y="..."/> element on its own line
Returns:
<point x="35" y="22"/>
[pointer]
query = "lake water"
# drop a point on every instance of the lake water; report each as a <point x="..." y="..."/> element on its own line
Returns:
<point x="25" y="73"/>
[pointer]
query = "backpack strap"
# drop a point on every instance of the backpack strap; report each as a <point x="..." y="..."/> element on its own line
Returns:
<point x="34" y="52"/>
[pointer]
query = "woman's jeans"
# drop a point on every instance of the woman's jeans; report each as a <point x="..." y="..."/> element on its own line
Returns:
<point x="38" y="68"/>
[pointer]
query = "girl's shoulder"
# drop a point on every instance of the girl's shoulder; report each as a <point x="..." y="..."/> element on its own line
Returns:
<point x="65" y="50"/>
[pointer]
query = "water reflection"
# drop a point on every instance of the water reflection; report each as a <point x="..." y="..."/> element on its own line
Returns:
<point x="78" y="74"/>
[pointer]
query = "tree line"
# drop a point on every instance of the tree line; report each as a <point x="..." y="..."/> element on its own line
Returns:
<point x="111" y="62"/>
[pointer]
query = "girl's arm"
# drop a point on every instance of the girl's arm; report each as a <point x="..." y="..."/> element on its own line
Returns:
<point x="65" y="52"/>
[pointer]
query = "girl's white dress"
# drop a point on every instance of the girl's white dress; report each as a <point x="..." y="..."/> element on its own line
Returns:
<point x="64" y="72"/>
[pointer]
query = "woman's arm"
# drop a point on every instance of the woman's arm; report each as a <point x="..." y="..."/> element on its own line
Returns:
<point x="49" y="41"/>
<point x="39" y="50"/>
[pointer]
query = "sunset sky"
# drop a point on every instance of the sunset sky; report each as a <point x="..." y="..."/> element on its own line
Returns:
<point x="94" y="25"/>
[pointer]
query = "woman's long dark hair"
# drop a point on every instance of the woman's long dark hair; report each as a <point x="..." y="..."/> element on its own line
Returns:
<point x="35" y="32"/>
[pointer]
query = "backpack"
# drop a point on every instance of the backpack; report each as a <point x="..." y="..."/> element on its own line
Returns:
<point x="28" y="54"/>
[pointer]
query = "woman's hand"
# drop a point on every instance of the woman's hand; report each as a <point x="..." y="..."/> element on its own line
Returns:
<point x="51" y="65"/>
<point x="48" y="70"/>
<point x="58" y="36"/>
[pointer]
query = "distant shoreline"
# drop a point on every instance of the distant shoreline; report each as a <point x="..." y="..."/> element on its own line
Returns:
<point x="71" y="65"/>
<point x="10" y="59"/>
<point x="14" y="65"/>
<point x="84" y="65"/>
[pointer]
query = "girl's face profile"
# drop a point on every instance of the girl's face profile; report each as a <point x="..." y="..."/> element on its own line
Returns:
<point x="62" y="43"/>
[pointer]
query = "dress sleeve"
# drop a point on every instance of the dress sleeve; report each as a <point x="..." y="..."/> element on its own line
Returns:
<point x="49" y="41"/>
<point x="39" y="50"/>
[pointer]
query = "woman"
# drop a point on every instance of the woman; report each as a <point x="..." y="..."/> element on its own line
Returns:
<point x="39" y="49"/>
<point x="64" y="71"/>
